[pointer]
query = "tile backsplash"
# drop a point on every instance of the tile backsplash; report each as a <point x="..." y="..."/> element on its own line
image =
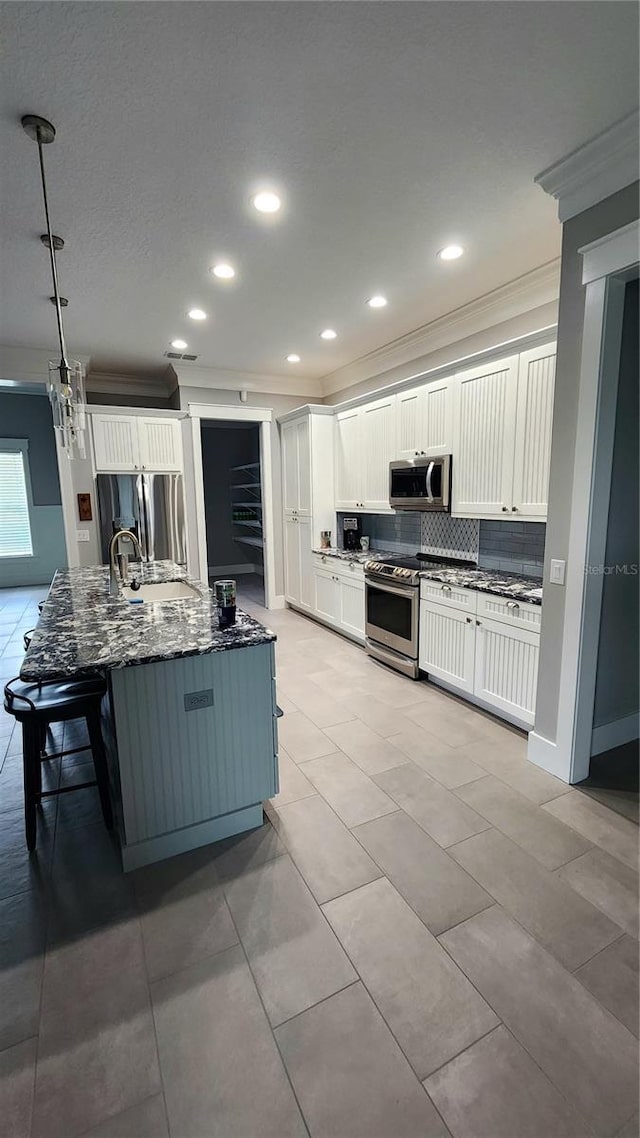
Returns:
<point x="513" y="547"/>
<point x="517" y="547"/>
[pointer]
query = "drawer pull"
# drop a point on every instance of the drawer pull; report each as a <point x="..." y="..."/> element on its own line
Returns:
<point x="513" y="605"/>
<point x="446" y="588"/>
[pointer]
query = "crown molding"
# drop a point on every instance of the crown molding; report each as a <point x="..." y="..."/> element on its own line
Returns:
<point x="29" y="365"/>
<point x="219" y="379"/>
<point x="599" y="168"/>
<point x="528" y="292"/>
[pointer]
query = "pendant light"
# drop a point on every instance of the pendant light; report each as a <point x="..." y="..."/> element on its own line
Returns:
<point x="66" y="380"/>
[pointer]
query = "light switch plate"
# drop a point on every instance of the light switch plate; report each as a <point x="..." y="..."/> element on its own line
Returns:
<point x="556" y="572"/>
<point x="82" y="535"/>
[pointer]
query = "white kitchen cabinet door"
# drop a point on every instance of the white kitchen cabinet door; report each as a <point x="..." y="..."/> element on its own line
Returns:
<point x="534" y="414"/>
<point x="349" y="464"/>
<point x="447" y="645"/>
<point x="327" y="595"/>
<point x="289" y="440"/>
<point x="305" y="559"/>
<point x="296" y="467"/>
<point x="291" y="560"/>
<point x="484" y="446"/>
<point x="379" y="449"/>
<point x="410" y="422"/>
<point x="352" y="606"/>
<point x="160" y="444"/>
<point x="115" y="442"/>
<point x="507" y="668"/>
<point x="438" y="417"/>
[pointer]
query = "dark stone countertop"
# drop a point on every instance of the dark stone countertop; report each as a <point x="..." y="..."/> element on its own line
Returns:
<point x="82" y="629"/>
<point x="511" y="585"/>
<point x="359" y="557"/>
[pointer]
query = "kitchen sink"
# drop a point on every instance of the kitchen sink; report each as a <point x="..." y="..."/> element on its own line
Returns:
<point x="161" y="591"/>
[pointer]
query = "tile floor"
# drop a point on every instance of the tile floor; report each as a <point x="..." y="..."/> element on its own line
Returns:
<point x="427" y="937"/>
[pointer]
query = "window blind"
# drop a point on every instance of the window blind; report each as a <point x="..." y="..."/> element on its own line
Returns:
<point x="15" y="524"/>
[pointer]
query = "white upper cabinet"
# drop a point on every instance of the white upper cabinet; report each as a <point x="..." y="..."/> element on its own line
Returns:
<point x="348" y="451"/>
<point x="378" y="450"/>
<point x="130" y="443"/>
<point x="366" y="442"/>
<point x="485" y="438"/>
<point x="425" y="419"/>
<point x="296" y="467"/>
<point x="534" y="415"/>
<point x="160" y="444"/>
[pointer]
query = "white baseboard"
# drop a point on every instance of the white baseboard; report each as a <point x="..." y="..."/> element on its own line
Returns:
<point x="610" y="735"/>
<point x="546" y="754"/>
<point x="228" y="570"/>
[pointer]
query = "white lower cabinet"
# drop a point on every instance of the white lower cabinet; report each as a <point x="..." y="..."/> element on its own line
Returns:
<point x="298" y="563"/>
<point x="327" y="595"/>
<point x="447" y="644"/>
<point x="506" y="669"/>
<point x="492" y="658"/>
<point x="352" y="606"/>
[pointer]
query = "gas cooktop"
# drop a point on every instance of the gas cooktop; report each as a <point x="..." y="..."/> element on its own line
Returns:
<point x="408" y="568"/>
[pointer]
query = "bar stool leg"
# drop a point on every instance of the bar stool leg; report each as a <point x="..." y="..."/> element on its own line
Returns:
<point x="100" y="765"/>
<point x="31" y="772"/>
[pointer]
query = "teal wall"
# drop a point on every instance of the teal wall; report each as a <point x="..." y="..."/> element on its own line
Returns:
<point x="29" y="417"/>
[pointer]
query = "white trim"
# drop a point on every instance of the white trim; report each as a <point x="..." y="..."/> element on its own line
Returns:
<point x="68" y="502"/>
<point x="568" y="756"/>
<point x="530" y="291"/>
<point x="610" y="735"/>
<point x="134" y="412"/>
<point x="442" y="371"/>
<point x="599" y="168"/>
<point x="278" y="602"/>
<point x="545" y="754"/>
<point x="263" y="416"/>
<point x="230" y="414"/>
<point x="227" y="570"/>
<point x="308" y="409"/>
<point x="219" y="379"/>
<point x="611" y="254"/>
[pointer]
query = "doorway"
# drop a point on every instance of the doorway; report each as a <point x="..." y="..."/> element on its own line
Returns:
<point x="233" y="506"/>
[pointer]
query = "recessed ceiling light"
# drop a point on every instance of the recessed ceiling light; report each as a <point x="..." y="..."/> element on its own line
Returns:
<point x="223" y="271"/>
<point x="266" y="201"/>
<point x="451" y="252"/>
<point x="328" y="334"/>
<point x="197" y="314"/>
<point x="294" y="358"/>
<point x="377" y="302"/>
<point x="179" y="344"/>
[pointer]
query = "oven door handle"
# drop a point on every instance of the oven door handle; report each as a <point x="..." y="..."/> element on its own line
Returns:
<point x="398" y="590"/>
<point x="429" y="473"/>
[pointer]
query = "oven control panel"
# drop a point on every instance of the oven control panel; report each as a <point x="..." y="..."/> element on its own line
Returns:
<point x="383" y="570"/>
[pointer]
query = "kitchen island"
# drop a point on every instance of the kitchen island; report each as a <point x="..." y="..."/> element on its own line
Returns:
<point x="190" y="720"/>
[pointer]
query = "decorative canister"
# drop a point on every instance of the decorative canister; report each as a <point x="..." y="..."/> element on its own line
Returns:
<point x="225" y="592"/>
<point x="325" y="539"/>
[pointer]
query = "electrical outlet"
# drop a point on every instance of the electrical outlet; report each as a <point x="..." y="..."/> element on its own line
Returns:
<point x="82" y="535"/>
<point x="194" y="700"/>
<point x="556" y="572"/>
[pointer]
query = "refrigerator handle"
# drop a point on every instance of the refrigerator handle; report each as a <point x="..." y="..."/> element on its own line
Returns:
<point x="141" y="489"/>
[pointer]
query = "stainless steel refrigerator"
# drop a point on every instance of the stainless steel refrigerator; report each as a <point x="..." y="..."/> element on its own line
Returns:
<point x="152" y="505"/>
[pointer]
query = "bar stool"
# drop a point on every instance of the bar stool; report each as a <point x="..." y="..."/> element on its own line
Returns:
<point x="37" y="706"/>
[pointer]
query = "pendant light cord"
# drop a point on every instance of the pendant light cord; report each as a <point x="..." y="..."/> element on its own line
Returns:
<point x="64" y="365"/>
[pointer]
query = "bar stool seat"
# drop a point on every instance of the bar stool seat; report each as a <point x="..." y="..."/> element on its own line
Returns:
<point x="36" y="707"/>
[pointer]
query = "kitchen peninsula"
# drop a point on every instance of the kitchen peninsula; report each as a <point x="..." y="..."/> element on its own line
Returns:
<point x="191" y="723"/>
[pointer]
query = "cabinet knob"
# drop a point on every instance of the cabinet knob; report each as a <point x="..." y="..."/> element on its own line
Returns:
<point x="513" y="605"/>
<point x="469" y="620"/>
<point x="478" y="622"/>
<point x="446" y="588"/>
<point x="505" y="509"/>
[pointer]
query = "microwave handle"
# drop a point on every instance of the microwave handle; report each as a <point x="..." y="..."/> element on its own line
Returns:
<point x="429" y="473"/>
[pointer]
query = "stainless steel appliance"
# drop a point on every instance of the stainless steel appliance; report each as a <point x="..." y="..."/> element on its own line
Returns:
<point x="420" y="483"/>
<point x="152" y="506"/>
<point x="351" y="533"/>
<point x="392" y="607"/>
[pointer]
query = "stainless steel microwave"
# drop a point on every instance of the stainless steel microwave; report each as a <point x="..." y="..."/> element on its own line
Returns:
<point x="421" y="483"/>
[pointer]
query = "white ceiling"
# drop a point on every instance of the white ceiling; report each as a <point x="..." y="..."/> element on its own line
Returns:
<point x="392" y="129"/>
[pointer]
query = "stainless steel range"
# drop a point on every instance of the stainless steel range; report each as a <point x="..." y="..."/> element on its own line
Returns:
<point x="392" y="607"/>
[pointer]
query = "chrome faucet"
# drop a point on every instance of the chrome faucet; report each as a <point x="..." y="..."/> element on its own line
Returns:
<point x="122" y="534"/>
